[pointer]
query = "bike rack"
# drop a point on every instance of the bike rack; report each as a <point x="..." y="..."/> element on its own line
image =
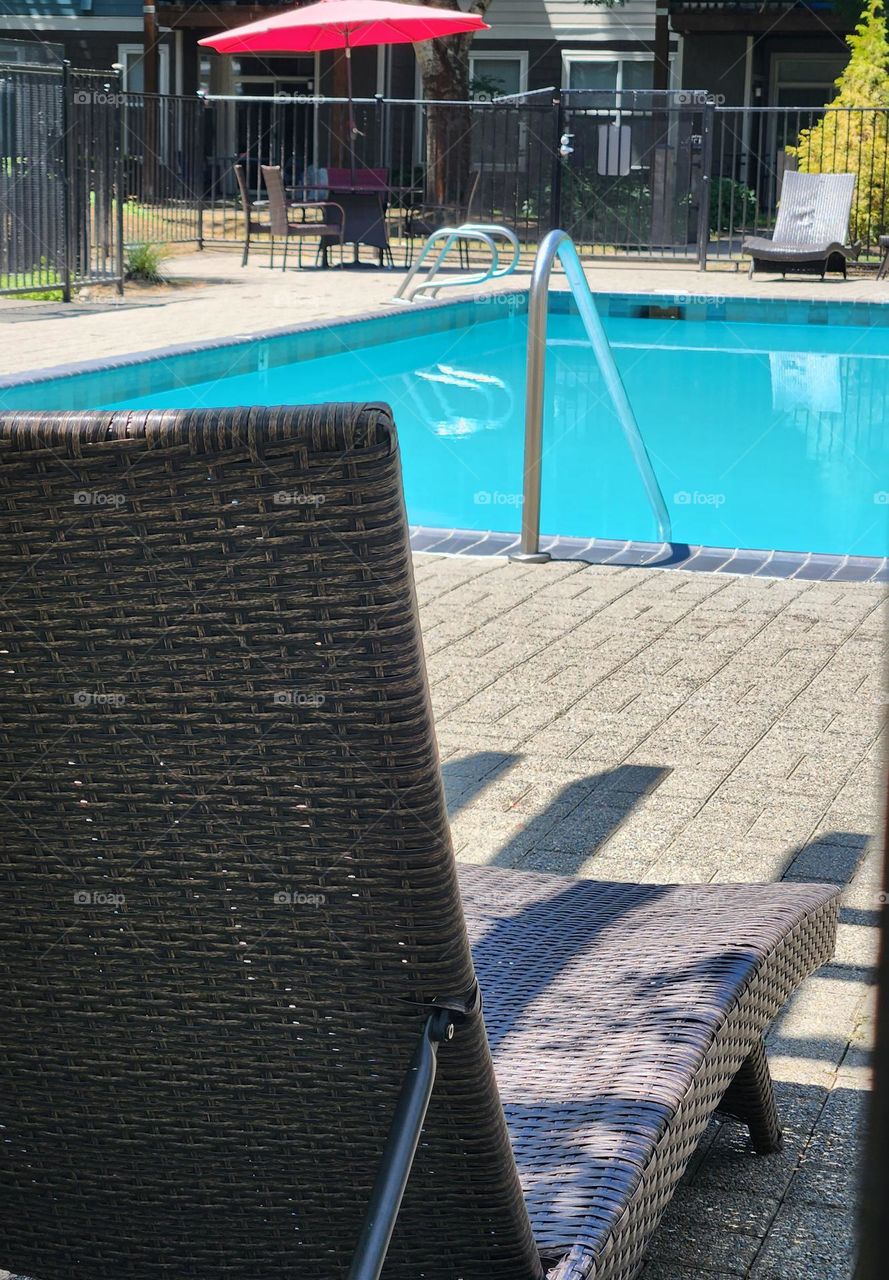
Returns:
<point x="483" y="233"/>
<point x="558" y="244"/>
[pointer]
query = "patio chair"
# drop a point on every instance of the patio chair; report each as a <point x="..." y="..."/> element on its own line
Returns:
<point x="281" y="224"/>
<point x="233" y="935"/>
<point x="252" y="226"/>
<point x="811" y="229"/>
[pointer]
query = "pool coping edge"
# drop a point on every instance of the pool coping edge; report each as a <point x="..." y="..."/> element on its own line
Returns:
<point x="741" y="561"/>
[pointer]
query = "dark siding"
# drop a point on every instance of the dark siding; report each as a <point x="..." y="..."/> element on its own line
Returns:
<point x="71" y="8"/>
<point x="88" y="50"/>
<point x="544" y="60"/>
<point x="715" y="63"/>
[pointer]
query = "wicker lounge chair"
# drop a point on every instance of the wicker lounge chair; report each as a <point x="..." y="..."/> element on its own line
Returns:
<point x="232" y="931"/>
<point x="811" y="228"/>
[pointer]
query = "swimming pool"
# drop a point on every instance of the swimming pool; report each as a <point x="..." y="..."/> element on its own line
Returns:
<point x="766" y="422"/>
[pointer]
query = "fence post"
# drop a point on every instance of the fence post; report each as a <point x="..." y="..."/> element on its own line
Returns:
<point x="67" y="178"/>
<point x="119" y="178"/>
<point x="555" y="208"/>
<point x="707" y="116"/>
<point x="199" y="176"/>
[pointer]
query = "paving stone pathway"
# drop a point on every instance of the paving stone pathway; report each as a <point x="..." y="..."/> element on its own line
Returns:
<point x="666" y="726"/>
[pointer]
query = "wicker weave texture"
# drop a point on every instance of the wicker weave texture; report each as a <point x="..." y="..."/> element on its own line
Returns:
<point x="619" y="1015"/>
<point x="218" y="713"/>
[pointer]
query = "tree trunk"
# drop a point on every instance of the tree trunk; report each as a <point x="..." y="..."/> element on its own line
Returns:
<point x="444" y="68"/>
<point x="340" y="141"/>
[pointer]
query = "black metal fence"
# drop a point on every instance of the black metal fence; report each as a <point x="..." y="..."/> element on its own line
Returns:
<point x="87" y="170"/>
<point x="32" y="179"/>
<point x="60" y="147"/>
<point x="753" y="149"/>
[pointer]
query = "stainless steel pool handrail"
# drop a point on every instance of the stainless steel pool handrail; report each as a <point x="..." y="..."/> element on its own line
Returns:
<point x="485" y="233"/>
<point x="558" y="244"/>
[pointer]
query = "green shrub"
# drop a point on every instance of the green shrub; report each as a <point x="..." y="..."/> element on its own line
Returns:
<point x="144" y="263"/>
<point x="732" y="205"/>
<point x="857" y="141"/>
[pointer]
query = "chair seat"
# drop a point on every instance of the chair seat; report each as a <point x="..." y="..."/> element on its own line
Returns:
<point x="773" y="251"/>
<point x="313" y="229"/>
<point x="603" y="1002"/>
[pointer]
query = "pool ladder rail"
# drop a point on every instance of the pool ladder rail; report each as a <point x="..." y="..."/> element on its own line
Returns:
<point x="487" y="234"/>
<point x="558" y="244"/>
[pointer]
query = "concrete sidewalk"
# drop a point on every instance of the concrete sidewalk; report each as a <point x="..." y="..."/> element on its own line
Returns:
<point x="214" y="297"/>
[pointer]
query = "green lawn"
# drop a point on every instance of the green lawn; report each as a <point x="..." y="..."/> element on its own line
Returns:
<point x="31" y="279"/>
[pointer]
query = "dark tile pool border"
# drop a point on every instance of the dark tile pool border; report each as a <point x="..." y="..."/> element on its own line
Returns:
<point x="811" y="566"/>
<point x="681" y="305"/>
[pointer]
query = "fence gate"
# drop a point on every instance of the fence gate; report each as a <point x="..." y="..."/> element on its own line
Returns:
<point x="59" y="180"/>
<point x="95" y="248"/>
<point x="32" y="179"/>
<point x="632" y="179"/>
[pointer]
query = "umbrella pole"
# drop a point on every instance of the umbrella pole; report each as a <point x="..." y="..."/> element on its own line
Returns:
<point x="352" y="130"/>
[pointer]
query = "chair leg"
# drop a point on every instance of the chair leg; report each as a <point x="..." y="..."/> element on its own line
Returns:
<point x="751" y="1098"/>
<point x="284" y="262"/>
<point x="271" y="252"/>
<point x="246" y="252"/>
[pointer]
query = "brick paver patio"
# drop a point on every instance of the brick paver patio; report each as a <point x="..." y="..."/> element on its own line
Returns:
<point x="633" y="724"/>
<point x="649" y="725"/>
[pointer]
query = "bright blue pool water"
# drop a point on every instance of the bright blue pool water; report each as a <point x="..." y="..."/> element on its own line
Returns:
<point x="761" y="435"/>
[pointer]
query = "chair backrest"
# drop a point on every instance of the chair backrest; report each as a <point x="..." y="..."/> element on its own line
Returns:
<point x="473" y="190"/>
<point x="814" y="208"/>
<point x="274" y="185"/>
<point x="229" y="891"/>
<point x="362" y="179"/>
<point x="246" y="201"/>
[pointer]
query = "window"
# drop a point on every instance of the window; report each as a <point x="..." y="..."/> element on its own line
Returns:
<point x="805" y="80"/>
<point x="497" y="74"/>
<point x="130" y="58"/>
<point x="606" y="72"/>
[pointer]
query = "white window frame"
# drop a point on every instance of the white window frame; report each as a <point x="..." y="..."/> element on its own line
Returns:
<point x="775" y="82"/>
<point x="502" y="55"/>
<point x="163" y="69"/>
<point x="604" y="55"/>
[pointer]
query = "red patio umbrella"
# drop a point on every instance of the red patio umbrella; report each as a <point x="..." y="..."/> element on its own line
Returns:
<point x="347" y="25"/>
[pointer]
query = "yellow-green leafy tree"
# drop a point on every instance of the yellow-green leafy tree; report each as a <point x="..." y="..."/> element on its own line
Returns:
<point x="857" y="141"/>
